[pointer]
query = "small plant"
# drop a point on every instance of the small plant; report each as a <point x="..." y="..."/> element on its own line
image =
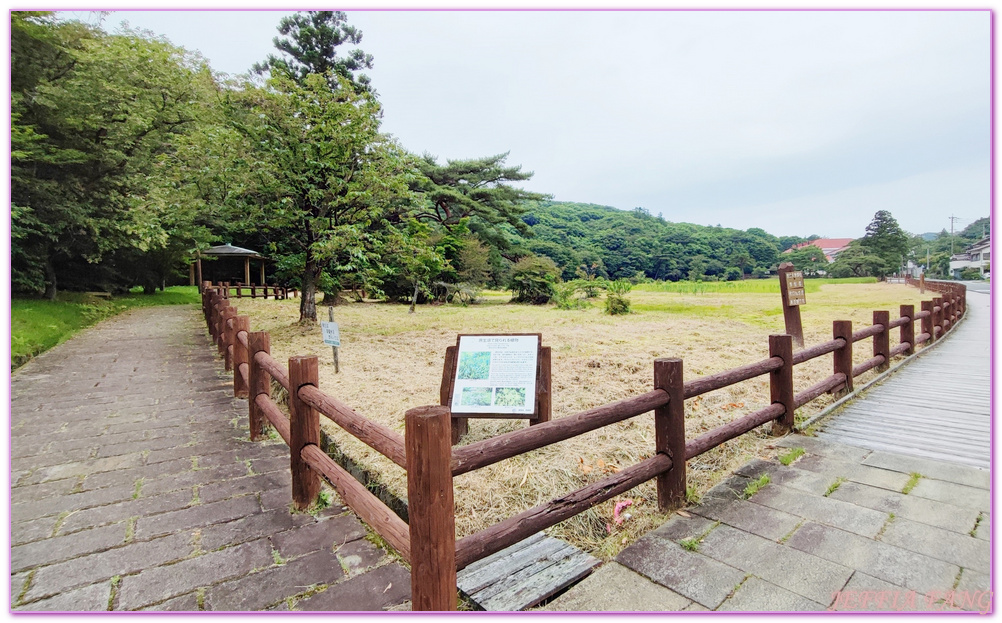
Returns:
<point x="692" y="494"/>
<point x="616" y="302"/>
<point x="691" y="545"/>
<point x="791" y="456"/>
<point x="323" y="499"/>
<point x="833" y="487"/>
<point x="276" y="557"/>
<point x="756" y="485"/>
<point x="915" y="476"/>
<point x="977" y="522"/>
<point x="565" y="296"/>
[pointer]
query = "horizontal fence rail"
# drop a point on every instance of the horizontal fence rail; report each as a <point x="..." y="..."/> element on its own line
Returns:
<point x="425" y="450"/>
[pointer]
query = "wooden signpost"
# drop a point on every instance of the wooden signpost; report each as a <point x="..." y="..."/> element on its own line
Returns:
<point x="332" y="336"/>
<point x="496" y="376"/>
<point x="791" y="285"/>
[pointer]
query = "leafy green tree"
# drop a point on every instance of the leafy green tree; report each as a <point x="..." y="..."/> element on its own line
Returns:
<point x="91" y="114"/>
<point x="316" y="176"/>
<point x="857" y="261"/>
<point x="309" y="45"/>
<point x="478" y="191"/>
<point x="533" y="279"/>
<point x="885" y="239"/>
<point x="810" y="259"/>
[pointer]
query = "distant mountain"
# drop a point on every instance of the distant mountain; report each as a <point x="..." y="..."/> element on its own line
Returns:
<point x="618" y="243"/>
<point x="929" y="235"/>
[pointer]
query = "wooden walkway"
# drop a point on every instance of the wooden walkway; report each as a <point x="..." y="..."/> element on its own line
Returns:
<point x="936" y="407"/>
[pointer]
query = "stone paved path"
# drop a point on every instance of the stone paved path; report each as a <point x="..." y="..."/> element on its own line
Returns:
<point x="134" y="487"/>
<point x="838" y="526"/>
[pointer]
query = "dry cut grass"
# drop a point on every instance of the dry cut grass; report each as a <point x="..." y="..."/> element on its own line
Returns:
<point x="391" y="361"/>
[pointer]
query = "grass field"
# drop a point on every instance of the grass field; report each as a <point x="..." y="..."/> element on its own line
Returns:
<point x="392" y="361"/>
<point x="38" y="324"/>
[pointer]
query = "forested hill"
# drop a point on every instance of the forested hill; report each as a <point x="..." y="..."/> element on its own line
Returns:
<point x="619" y="244"/>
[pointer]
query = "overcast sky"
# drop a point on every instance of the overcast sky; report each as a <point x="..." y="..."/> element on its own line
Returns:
<point x="796" y="122"/>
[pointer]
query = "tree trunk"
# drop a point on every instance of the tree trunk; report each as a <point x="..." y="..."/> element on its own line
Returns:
<point x="308" y="301"/>
<point x="50" y="280"/>
<point x="413" y="298"/>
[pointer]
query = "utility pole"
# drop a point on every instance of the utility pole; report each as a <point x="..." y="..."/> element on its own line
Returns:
<point x="953" y="219"/>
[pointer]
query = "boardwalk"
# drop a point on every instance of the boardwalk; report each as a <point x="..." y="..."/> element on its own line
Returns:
<point x="134" y="488"/>
<point x="936" y="407"/>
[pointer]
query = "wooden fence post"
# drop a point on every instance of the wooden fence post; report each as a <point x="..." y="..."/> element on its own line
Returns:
<point x="431" y="509"/>
<point x="908" y="329"/>
<point x="240" y="290"/>
<point x="220" y="328"/>
<point x="211" y="314"/>
<point x="240" y="389"/>
<point x="304" y="424"/>
<point x="927" y="322"/>
<point x="460" y="425"/>
<point x="669" y="433"/>
<point x="228" y="337"/>
<point x="544" y="390"/>
<point x="781" y="383"/>
<point x="843" y="356"/>
<point x="937" y="316"/>
<point x="882" y="340"/>
<point x="260" y="381"/>
<point x="253" y="291"/>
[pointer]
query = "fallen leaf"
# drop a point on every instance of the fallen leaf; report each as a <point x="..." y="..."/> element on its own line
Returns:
<point x="684" y="514"/>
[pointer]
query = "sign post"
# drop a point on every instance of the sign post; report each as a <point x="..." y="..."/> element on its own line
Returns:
<point x="791" y="286"/>
<point x="332" y="336"/>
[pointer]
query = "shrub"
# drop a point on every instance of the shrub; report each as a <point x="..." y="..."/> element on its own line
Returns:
<point x="565" y="296"/>
<point x="533" y="279"/>
<point x="733" y="273"/>
<point x="616" y="302"/>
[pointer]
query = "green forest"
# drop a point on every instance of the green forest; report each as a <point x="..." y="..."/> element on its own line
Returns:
<point x="130" y="155"/>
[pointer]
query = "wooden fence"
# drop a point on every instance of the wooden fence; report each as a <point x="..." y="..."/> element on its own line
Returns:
<point x="239" y="290"/>
<point x="425" y="451"/>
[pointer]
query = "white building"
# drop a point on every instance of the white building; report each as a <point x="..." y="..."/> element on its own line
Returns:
<point x="978" y="255"/>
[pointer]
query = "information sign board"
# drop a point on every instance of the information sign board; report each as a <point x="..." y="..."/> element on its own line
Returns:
<point x="332" y="335"/>
<point x="795" y="293"/>
<point x="495" y="374"/>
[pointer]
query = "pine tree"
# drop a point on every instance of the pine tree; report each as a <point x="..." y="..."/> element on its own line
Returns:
<point x="885" y="239"/>
<point x="309" y="46"/>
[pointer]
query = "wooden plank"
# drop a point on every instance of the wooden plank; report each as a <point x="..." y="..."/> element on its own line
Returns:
<point x="507" y="562"/>
<point x="524" y="574"/>
<point x="546" y="583"/>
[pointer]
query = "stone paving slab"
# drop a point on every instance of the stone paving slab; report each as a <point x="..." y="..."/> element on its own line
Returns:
<point x="615" y="588"/>
<point x="922" y="510"/>
<point x="135" y="487"/>
<point x="757" y="595"/>
<point x="880" y="560"/>
<point x="866" y="546"/>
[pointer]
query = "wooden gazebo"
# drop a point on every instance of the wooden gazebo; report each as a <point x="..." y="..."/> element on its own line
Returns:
<point x="226" y="250"/>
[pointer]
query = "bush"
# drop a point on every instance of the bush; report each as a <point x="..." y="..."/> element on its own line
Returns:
<point x="533" y="279"/>
<point x="970" y="274"/>
<point x="616" y="302"/>
<point x="565" y="296"/>
<point x="733" y="273"/>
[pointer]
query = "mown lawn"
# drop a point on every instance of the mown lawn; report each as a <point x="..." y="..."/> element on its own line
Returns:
<point x="37" y="325"/>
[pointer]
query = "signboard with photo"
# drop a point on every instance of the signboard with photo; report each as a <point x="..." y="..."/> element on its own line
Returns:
<point x="496" y="375"/>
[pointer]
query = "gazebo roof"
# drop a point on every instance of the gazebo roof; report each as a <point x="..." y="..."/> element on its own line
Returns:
<point x="229" y="250"/>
